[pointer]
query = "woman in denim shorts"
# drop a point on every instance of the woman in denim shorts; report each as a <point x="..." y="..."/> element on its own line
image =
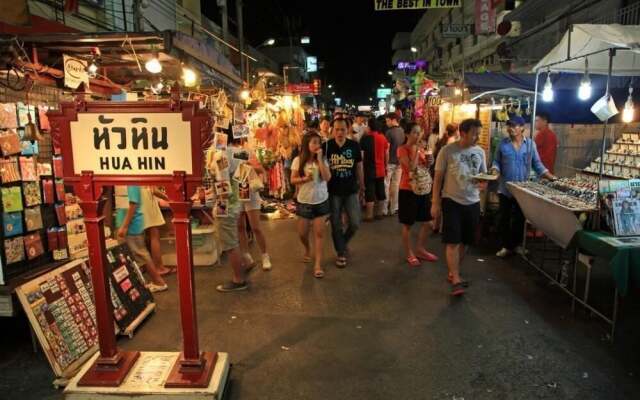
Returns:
<point x="310" y="173"/>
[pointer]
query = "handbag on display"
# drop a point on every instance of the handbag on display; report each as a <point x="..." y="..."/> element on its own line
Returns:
<point x="29" y="148"/>
<point x="12" y="224"/>
<point x="48" y="192"/>
<point x="44" y="169"/>
<point x="33" y="245"/>
<point x="57" y="167"/>
<point x="28" y="168"/>
<point x="10" y="143"/>
<point x="42" y="117"/>
<point x="60" y="189"/>
<point x="61" y="215"/>
<point x="52" y="239"/>
<point x="8" y="116"/>
<point x="14" y="250"/>
<point x="33" y="218"/>
<point x="11" y="199"/>
<point x="9" y="171"/>
<point x="31" y="193"/>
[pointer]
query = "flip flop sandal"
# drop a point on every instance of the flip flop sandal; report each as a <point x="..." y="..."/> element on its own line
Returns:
<point x="426" y="256"/>
<point x="457" y="289"/>
<point x="341" y="262"/>
<point x="413" y="261"/>
<point x="464" y="283"/>
<point x="171" y="270"/>
<point x="319" y="274"/>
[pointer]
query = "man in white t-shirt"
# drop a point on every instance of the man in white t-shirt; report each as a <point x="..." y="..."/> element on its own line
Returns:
<point x="457" y="196"/>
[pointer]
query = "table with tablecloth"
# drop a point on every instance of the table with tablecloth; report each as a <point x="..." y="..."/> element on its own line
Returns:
<point x="623" y="258"/>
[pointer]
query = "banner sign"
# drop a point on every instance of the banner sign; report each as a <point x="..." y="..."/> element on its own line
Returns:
<point x="485" y="17"/>
<point x="412" y="65"/>
<point x="456" y="30"/>
<point x="382" y="93"/>
<point x="301" y="88"/>
<point x="75" y="72"/>
<point x="390" y="5"/>
<point x="131" y="144"/>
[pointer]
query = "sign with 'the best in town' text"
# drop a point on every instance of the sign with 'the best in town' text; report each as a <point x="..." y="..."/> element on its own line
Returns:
<point x="131" y="144"/>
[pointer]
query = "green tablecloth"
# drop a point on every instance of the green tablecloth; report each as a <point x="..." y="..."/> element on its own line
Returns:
<point x="624" y="259"/>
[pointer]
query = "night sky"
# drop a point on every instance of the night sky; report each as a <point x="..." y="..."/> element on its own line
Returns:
<point x="352" y="39"/>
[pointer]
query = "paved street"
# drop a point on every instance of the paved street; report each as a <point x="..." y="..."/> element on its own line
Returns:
<point x="379" y="330"/>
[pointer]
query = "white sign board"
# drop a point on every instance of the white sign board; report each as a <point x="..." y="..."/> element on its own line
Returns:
<point x="312" y="64"/>
<point x="75" y="72"/>
<point x="131" y="144"/>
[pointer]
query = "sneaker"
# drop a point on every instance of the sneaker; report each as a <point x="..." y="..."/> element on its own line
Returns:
<point x="504" y="252"/>
<point x="232" y="287"/>
<point x="266" y="262"/>
<point x="153" y="288"/>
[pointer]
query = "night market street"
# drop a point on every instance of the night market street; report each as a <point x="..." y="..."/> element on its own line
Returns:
<point x="380" y="330"/>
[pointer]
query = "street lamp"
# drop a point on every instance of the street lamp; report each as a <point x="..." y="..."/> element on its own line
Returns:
<point x="382" y="85"/>
<point x="414" y="49"/>
<point x="305" y="40"/>
<point x="330" y="86"/>
<point x="390" y="73"/>
<point x="370" y="98"/>
<point x="269" y="42"/>
<point x="333" y="93"/>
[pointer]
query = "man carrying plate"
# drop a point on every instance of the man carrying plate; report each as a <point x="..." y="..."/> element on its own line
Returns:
<point x="514" y="157"/>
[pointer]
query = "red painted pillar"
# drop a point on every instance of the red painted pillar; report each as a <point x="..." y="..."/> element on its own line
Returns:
<point x="193" y="368"/>
<point x="112" y="366"/>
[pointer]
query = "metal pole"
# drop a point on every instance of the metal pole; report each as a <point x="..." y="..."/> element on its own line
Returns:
<point x="462" y="50"/>
<point x="533" y="120"/>
<point x="607" y="94"/>
<point x="225" y="18"/>
<point x="240" y="34"/>
<point x="124" y="14"/>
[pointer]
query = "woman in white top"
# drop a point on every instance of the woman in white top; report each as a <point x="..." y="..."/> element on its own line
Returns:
<point x="310" y="173"/>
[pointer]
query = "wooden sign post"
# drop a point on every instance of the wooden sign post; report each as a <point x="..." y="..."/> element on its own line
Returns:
<point x="136" y="143"/>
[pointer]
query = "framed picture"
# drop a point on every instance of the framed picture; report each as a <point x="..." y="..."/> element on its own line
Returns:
<point x="221" y="140"/>
<point x="221" y="208"/>
<point x="223" y="188"/>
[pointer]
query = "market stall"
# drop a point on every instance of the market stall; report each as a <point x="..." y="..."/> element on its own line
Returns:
<point x="588" y="49"/>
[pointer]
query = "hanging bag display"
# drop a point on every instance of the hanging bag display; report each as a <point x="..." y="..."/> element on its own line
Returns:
<point x="33" y="219"/>
<point x="10" y="143"/>
<point x="14" y="250"/>
<point x="31" y="191"/>
<point x="28" y="168"/>
<point x="8" y="116"/>
<point x="33" y="245"/>
<point x="9" y="171"/>
<point x="11" y="199"/>
<point x="12" y="224"/>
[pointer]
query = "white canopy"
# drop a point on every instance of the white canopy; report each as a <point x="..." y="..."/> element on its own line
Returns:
<point x="592" y="38"/>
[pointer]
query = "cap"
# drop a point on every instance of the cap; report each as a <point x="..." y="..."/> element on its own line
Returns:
<point x="516" y="120"/>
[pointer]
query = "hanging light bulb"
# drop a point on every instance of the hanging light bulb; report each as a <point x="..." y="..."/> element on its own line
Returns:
<point x="153" y="65"/>
<point x="244" y="94"/>
<point x="547" y="92"/>
<point x="584" y="92"/>
<point x="189" y="77"/>
<point x="627" y="113"/>
<point x="157" y="87"/>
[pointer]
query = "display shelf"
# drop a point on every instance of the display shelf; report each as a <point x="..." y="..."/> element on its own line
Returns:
<point x="547" y="194"/>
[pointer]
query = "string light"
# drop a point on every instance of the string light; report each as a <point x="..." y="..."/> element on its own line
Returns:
<point x="547" y="93"/>
<point x="627" y="113"/>
<point x="584" y="92"/>
<point x="153" y="64"/>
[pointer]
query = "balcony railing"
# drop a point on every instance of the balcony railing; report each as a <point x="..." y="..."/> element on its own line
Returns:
<point x="629" y="15"/>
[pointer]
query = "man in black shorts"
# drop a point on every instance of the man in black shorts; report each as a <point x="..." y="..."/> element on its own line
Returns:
<point x="457" y="196"/>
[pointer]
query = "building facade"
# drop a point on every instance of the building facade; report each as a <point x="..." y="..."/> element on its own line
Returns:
<point x="529" y="29"/>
